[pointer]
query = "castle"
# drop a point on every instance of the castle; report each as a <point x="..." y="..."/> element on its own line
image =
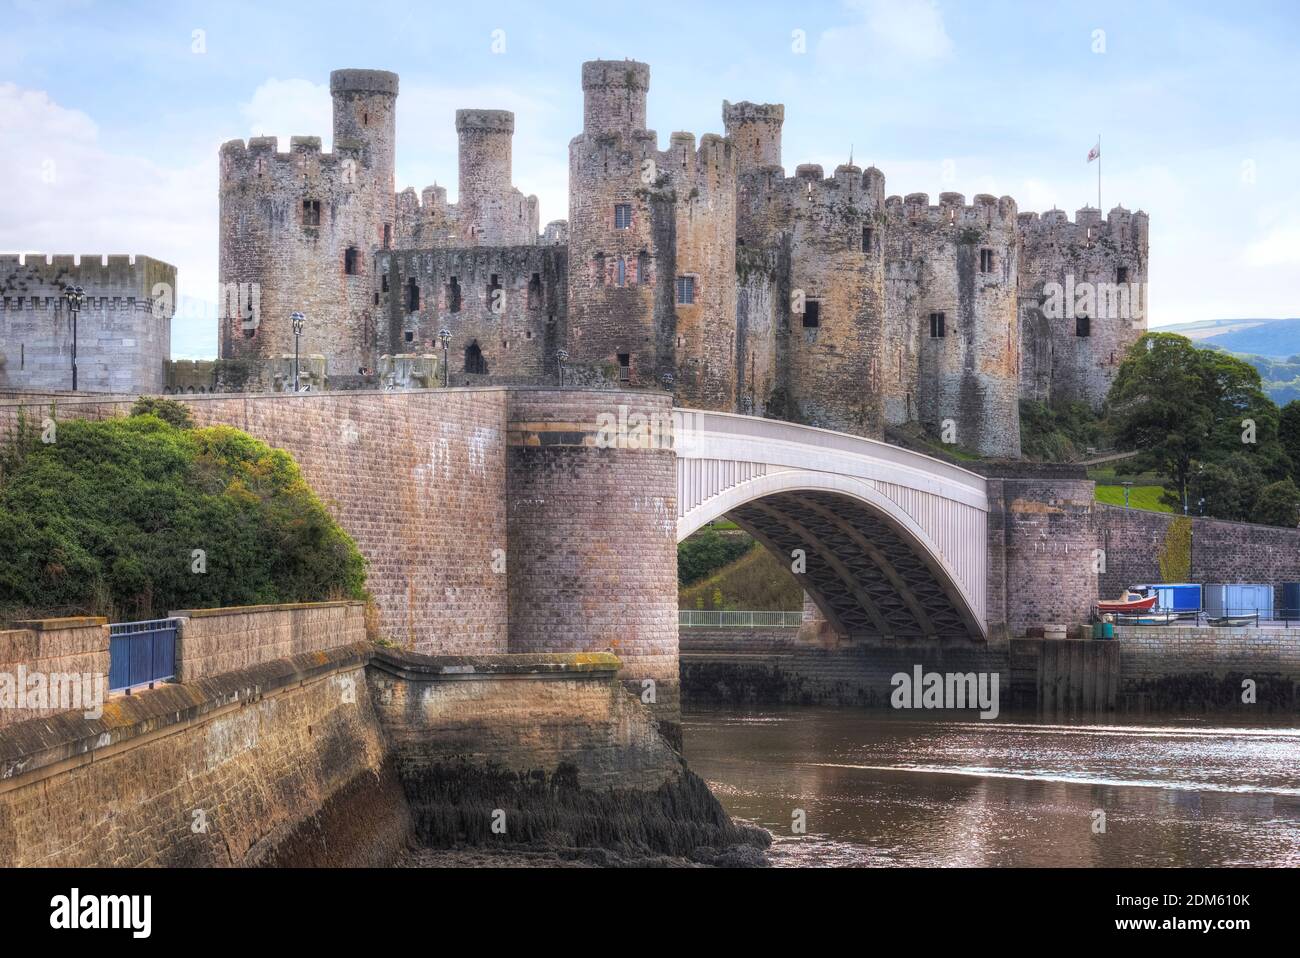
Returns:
<point x="701" y="269"/>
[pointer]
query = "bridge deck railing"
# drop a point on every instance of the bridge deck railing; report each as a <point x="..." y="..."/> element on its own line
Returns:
<point x="741" y="619"/>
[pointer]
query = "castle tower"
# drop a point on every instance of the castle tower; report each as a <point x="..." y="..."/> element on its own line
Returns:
<point x="952" y="358"/>
<point x="299" y="231"/>
<point x="614" y="96"/>
<point x="491" y="211"/>
<point x="755" y="132"/>
<point x="1082" y="302"/>
<point x="652" y="287"/>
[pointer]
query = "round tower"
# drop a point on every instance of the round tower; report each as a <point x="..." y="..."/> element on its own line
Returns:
<point x="488" y="204"/>
<point x="614" y="96"/>
<point x="755" y="132"/>
<point x="365" y="119"/>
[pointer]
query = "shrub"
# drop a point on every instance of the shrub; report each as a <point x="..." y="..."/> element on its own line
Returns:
<point x="118" y="517"/>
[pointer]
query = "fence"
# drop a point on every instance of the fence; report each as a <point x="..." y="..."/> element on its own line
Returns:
<point x="697" y="619"/>
<point x="141" y="653"/>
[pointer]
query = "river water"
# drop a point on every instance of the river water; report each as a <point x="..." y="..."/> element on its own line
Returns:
<point x="887" y="789"/>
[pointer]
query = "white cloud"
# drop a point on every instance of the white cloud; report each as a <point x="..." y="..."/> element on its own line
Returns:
<point x="69" y="194"/>
<point x="1279" y="247"/>
<point x="285" y="108"/>
<point x="887" y="33"/>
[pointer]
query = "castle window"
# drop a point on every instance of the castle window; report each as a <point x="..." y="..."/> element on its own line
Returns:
<point x="812" y="314"/>
<point x="388" y="235"/>
<point x="600" y="269"/>
<point x="936" y="326"/>
<point x="866" y="239"/>
<point x="622" y="271"/>
<point x="383" y="283"/>
<point x="412" y="295"/>
<point x="624" y="367"/>
<point x="376" y="299"/>
<point x="685" y="290"/>
<point x="642" y="267"/>
<point x="311" y="212"/>
<point x="986" y="261"/>
<point x="474" y="361"/>
<point x="1121" y="274"/>
<point x="351" y="257"/>
<point x="535" y="291"/>
<point x="453" y="296"/>
<point x="622" y="216"/>
<point x="494" y="284"/>
<point x="1082" y="326"/>
<point x="409" y="335"/>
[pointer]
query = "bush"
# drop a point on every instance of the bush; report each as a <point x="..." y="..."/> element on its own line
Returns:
<point x="168" y="410"/>
<point x="706" y="552"/>
<point x="133" y="517"/>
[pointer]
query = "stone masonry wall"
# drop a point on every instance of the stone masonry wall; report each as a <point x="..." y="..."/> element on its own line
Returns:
<point x="213" y="641"/>
<point x="123" y="329"/>
<point x="593" y="534"/>
<point x="247" y="768"/>
<point x="51" y="647"/>
<point x="1221" y="551"/>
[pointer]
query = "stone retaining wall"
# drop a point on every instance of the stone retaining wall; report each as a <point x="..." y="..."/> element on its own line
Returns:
<point x="71" y="647"/>
<point x="212" y="641"/>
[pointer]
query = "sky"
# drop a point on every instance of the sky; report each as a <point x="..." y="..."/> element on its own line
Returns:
<point x="111" y="114"/>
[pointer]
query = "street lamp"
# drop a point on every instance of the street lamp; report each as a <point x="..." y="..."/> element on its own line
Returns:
<point x="444" y="335"/>
<point x="562" y="357"/>
<point x="74" y="297"/>
<point x="1127" y="486"/>
<point x="298" y="320"/>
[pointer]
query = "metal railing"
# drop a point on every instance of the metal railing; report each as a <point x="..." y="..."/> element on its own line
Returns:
<point x="141" y="653"/>
<point x="705" y="618"/>
<point x="1224" y="618"/>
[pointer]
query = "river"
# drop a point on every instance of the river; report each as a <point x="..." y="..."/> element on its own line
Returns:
<point x="884" y="789"/>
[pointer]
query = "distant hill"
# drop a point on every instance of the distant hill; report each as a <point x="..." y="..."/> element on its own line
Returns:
<point x="1210" y="327"/>
<point x="1279" y="338"/>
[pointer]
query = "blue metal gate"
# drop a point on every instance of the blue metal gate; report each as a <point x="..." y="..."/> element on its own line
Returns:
<point x="140" y="653"/>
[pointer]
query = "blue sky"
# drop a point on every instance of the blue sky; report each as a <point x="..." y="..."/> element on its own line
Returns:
<point x="111" y="114"/>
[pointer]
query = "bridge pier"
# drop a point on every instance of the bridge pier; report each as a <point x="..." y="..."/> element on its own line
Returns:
<point x="592" y="528"/>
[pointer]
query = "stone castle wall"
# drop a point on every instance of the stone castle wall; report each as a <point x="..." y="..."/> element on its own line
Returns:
<point x="123" y="328"/>
<point x="52" y="647"/>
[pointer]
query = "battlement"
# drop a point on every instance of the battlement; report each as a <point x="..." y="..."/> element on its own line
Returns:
<point x="1055" y="226"/>
<point x="260" y="158"/>
<point x="747" y="112"/>
<point x="363" y="81"/>
<point x="713" y="160"/>
<point x="616" y="74"/>
<point x="614" y="96"/>
<point x="985" y="211"/>
<point x="487" y="121"/>
<point x="40" y="277"/>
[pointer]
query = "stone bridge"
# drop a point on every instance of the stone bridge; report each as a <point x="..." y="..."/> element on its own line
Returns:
<point x="891" y="543"/>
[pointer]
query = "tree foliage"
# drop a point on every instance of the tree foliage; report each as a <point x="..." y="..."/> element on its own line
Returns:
<point x="1202" y="418"/>
<point x="116" y="517"/>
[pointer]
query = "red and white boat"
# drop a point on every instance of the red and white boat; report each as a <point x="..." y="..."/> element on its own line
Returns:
<point x="1131" y="603"/>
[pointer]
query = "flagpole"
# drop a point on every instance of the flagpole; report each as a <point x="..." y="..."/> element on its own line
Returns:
<point x="1098" y="172"/>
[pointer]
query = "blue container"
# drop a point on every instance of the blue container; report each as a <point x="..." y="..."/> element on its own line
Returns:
<point x="1174" y="596"/>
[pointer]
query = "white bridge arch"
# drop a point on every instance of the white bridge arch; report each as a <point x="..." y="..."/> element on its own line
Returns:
<point x="895" y="541"/>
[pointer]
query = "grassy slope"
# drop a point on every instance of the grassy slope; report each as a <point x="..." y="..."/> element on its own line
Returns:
<point x="757" y="580"/>
<point x="1139" y="497"/>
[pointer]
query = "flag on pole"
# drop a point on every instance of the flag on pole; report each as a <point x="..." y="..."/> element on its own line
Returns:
<point x="1095" y="152"/>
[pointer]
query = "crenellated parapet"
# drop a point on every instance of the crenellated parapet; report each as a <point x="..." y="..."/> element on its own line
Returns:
<point x="123" y="328"/>
<point x="1083" y="300"/>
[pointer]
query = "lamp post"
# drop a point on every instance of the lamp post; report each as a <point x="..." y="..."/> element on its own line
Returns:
<point x="74" y="297"/>
<point x="298" y="320"/>
<point x="1127" y="486"/>
<point x="444" y="335"/>
<point x="562" y="357"/>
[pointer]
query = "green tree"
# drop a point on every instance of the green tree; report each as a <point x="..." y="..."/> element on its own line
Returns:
<point x="1183" y="407"/>
<point x="1278" y="504"/>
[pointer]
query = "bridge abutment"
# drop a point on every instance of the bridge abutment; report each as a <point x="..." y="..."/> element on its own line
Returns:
<point x="592" y="528"/>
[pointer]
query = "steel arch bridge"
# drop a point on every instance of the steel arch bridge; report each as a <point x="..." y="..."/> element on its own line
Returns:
<point x="895" y="542"/>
